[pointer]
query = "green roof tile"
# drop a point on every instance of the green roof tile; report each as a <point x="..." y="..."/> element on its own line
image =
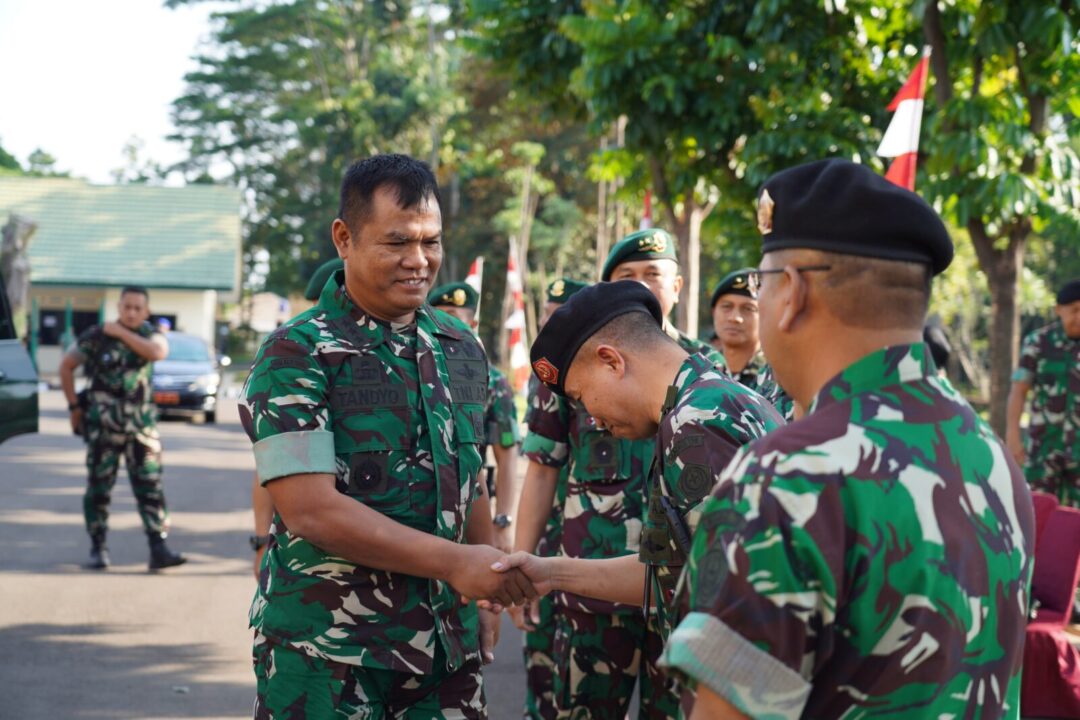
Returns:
<point x="164" y="237"/>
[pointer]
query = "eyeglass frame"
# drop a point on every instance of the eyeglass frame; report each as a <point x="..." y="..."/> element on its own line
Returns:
<point x="753" y="278"/>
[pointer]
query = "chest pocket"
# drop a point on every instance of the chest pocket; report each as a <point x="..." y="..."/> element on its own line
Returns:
<point x="598" y="455"/>
<point x="373" y="430"/>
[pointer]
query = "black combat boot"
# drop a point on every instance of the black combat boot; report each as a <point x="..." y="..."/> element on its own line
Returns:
<point x="162" y="557"/>
<point x="99" y="554"/>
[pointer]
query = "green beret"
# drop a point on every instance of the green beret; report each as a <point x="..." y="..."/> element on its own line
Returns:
<point x="734" y="283"/>
<point x="579" y="319"/>
<point x="320" y="276"/>
<point x="843" y="207"/>
<point x="642" y="245"/>
<point x="455" y="294"/>
<point x="559" y="291"/>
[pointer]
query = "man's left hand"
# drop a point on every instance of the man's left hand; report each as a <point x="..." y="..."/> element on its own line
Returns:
<point x="489" y="635"/>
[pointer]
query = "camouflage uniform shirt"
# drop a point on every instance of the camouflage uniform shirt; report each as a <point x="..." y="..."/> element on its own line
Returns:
<point x="691" y="345"/>
<point x="552" y="537"/>
<point x="118" y="381"/>
<point x="1050" y="362"/>
<point x="758" y="376"/>
<point x="710" y="418"/>
<point x="872" y="559"/>
<point x="500" y="417"/>
<point x="395" y="413"/>
<point x="605" y="493"/>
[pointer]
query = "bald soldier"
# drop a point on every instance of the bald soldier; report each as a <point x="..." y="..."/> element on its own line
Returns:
<point x="461" y="300"/>
<point x="649" y="257"/>
<point x="872" y="559"/>
<point x="735" y="335"/>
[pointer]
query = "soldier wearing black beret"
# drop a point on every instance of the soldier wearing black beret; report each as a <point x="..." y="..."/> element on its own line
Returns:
<point x="648" y="256"/>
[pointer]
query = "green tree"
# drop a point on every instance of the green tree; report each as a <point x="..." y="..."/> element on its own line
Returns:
<point x="42" y="164"/>
<point x="8" y="163"/>
<point x="998" y="155"/>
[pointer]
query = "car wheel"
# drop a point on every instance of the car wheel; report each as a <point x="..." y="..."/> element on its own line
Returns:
<point x="210" y="416"/>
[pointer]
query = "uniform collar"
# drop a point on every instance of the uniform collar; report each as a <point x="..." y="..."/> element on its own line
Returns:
<point x="693" y="367"/>
<point x="882" y="368"/>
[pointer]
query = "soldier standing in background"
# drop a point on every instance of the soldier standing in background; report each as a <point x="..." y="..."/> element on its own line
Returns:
<point x="119" y="419"/>
<point x="874" y="557"/>
<point x="500" y="416"/>
<point x="367" y="414"/>
<point x="735" y="334"/>
<point x="1050" y="365"/>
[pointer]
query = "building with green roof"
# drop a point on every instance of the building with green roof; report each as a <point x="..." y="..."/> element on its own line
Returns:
<point x="182" y="243"/>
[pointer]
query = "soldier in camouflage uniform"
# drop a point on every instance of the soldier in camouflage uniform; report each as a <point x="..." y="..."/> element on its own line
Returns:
<point x="1050" y="365"/>
<point x="537" y="619"/>
<point x="648" y="256"/>
<point x="873" y="558"/>
<point x="735" y="335"/>
<point x="500" y="416"/>
<point x="367" y="415"/>
<point x="118" y="419"/>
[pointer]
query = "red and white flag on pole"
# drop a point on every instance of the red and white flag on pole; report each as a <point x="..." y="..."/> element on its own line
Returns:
<point x="901" y="139"/>
<point x="646" y="216"/>
<point x="475" y="280"/>
<point x="519" y="352"/>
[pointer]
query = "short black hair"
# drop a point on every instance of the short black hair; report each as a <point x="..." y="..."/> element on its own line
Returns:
<point x="411" y="179"/>
<point x="137" y="289"/>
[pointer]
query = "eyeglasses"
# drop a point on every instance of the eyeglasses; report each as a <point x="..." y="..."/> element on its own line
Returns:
<point x="753" y="278"/>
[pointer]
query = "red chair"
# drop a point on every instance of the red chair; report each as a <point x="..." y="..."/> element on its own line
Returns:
<point x="1045" y="504"/>
<point x="1050" y="687"/>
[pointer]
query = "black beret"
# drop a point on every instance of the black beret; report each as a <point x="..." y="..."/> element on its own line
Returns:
<point x="735" y="283"/>
<point x="559" y="291"/>
<point x="1070" y="293"/>
<point x="839" y="206"/>
<point x="455" y="294"/>
<point x="320" y="276"/>
<point x="580" y="317"/>
<point x="641" y="245"/>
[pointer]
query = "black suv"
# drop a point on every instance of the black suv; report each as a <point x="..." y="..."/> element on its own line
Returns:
<point x="18" y="379"/>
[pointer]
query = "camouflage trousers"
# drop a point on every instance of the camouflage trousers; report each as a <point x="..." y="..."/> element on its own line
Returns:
<point x="598" y="659"/>
<point x="293" y="686"/>
<point x="1055" y="472"/>
<point x="540" y="665"/>
<point x="141" y="450"/>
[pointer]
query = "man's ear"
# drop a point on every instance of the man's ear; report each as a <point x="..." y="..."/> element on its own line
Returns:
<point x="611" y="359"/>
<point x="341" y="236"/>
<point x="793" y="298"/>
<point x="677" y="286"/>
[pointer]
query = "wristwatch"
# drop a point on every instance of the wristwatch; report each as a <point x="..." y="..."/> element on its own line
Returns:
<point x="258" y="542"/>
<point x="502" y="520"/>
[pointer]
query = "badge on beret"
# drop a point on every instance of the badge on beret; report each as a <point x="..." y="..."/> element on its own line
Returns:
<point x="738" y="283"/>
<point x="764" y="213"/>
<point x="548" y="373"/>
<point x="653" y="243"/>
<point x="459" y="297"/>
<point x="557" y="288"/>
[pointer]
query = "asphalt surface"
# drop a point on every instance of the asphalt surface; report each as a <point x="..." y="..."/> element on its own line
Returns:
<point x="127" y="643"/>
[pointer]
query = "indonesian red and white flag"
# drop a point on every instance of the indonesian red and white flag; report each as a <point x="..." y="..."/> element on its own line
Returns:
<point x="646" y="216"/>
<point x="901" y="139"/>
<point x="519" y="352"/>
<point x="475" y="280"/>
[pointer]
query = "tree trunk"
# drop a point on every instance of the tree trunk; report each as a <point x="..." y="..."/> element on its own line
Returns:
<point x="1002" y="267"/>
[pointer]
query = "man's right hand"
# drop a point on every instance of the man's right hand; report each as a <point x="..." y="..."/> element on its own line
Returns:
<point x="526" y="617"/>
<point x="76" y="420"/>
<point x="538" y="570"/>
<point x="475" y="578"/>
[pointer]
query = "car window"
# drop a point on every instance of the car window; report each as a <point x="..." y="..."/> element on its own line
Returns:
<point x="187" y="349"/>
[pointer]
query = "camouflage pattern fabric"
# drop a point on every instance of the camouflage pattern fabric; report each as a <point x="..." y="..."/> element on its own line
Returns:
<point x="500" y="417"/>
<point x="1050" y="363"/>
<point x="870" y="560"/>
<point x="121" y="421"/>
<point x="598" y="660"/>
<point x="711" y="417"/>
<point x="758" y="376"/>
<point x="692" y="345"/>
<point x="395" y="413"/>
<point x="537" y="644"/>
<point x="294" y="685"/>
<point x="602" y="518"/>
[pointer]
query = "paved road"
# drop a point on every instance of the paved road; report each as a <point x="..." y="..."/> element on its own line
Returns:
<point x="125" y="643"/>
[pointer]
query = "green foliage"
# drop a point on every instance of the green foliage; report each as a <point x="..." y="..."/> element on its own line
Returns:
<point x="8" y="162"/>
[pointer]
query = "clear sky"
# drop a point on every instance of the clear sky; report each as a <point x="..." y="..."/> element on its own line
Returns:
<point x="79" y="78"/>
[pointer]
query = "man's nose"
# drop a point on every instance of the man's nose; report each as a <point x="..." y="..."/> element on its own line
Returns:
<point x="414" y="256"/>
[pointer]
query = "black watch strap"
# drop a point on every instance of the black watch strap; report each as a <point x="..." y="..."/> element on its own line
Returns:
<point x="258" y="541"/>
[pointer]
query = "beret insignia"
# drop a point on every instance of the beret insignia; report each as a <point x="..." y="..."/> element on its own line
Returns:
<point x="765" y="208"/>
<point x="558" y="288"/>
<point x="653" y="243"/>
<point x="459" y="297"/>
<point x="548" y="373"/>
